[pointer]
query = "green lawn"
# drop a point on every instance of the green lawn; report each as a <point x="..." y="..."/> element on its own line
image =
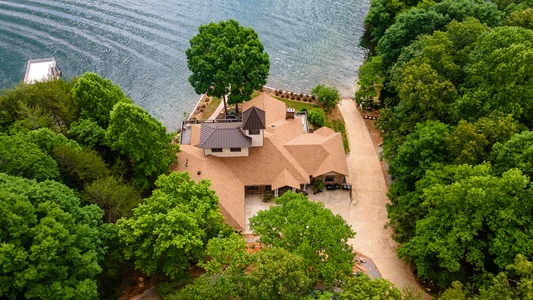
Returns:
<point x="338" y="126"/>
<point x="210" y="109"/>
<point x="298" y="105"/>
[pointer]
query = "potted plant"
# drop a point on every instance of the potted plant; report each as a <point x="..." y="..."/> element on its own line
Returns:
<point x="267" y="197"/>
<point x="318" y="186"/>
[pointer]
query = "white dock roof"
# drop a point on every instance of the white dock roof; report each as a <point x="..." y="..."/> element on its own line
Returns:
<point x="40" y="70"/>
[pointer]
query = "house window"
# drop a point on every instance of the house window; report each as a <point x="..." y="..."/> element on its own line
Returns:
<point x="216" y="149"/>
<point x="235" y="149"/>
<point x="253" y="131"/>
<point x="268" y="188"/>
<point x="329" y="179"/>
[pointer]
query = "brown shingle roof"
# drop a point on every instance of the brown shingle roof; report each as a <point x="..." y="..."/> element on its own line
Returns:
<point x="229" y="189"/>
<point x="253" y="118"/>
<point x="287" y="158"/>
<point x="274" y="109"/>
<point x="285" y="179"/>
<point x="223" y="135"/>
<point x="320" y="152"/>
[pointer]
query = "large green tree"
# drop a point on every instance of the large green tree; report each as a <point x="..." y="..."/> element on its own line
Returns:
<point x="41" y="104"/>
<point x="381" y="16"/>
<point x="515" y="153"/>
<point x="113" y="195"/>
<point x="417" y="21"/>
<point x="308" y="229"/>
<point x="143" y="139"/>
<point x="226" y="58"/>
<point x="170" y="230"/>
<point x="50" y="245"/>
<point x="96" y="96"/>
<point x="232" y="272"/>
<point x="421" y="149"/>
<point x="522" y="18"/>
<point x="500" y="76"/>
<point x="370" y="80"/>
<point x="20" y="157"/>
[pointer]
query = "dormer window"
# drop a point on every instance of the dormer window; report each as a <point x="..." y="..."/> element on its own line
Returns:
<point x="253" y="131"/>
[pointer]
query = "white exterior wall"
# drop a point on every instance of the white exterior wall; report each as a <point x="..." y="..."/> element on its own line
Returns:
<point x="226" y="152"/>
<point x="257" y="139"/>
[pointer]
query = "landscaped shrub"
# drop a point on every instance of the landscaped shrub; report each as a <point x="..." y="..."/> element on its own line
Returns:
<point x="317" y="117"/>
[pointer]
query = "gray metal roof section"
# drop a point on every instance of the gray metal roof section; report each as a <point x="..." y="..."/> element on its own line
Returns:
<point x="224" y="135"/>
<point x="253" y="118"/>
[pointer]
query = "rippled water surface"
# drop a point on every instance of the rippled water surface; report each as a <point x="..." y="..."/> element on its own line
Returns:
<point x="140" y="44"/>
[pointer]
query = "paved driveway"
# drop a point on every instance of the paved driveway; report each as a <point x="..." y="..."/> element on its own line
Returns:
<point x="368" y="214"/>
<point x="338" y="201"/>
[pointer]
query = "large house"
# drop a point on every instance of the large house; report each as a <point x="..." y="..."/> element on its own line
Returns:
<point x="267" y="150"/>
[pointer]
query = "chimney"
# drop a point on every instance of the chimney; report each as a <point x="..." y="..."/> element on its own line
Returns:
<point x="290" y="113"/>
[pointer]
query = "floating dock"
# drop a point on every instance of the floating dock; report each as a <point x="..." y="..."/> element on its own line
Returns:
<point x="41" y="70"/>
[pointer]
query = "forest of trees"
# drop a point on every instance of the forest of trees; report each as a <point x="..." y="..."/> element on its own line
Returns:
<point x="75" y="157"/>
<point x="454" y="81"/>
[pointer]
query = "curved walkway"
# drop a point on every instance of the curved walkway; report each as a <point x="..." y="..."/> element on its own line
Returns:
<point x="368" y="213"/>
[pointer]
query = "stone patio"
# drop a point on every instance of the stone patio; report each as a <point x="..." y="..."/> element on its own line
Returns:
<point x="337" y="200"/>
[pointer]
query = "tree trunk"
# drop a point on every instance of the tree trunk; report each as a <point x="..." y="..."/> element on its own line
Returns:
<point x="236" y="109"/>
<point x="225" y="107"/>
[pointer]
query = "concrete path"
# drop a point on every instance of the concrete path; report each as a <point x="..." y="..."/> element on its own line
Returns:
<point x="368" y="213"/>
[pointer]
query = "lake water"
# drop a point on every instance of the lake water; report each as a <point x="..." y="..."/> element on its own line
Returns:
<point x="140" y="44"/>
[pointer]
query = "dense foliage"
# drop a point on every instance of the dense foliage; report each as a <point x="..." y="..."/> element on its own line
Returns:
<point x="51" y="245"/>
<point x="294" y="253"/>
<point x="317" y="117"/>
<point x="326" y="96"/>
<point x="169" y="230"/>
<point x="455" y="80"/>
<point x="55" y="243"/>
<point x="309" y="229"/>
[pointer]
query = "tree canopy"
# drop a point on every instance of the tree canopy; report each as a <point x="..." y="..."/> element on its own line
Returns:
<point x="20" y="157"/>
<point x="51" y="245"/>
<point x="170" y="230"/>
<point x="96" y="96"/>
<point x="308" y="229"/>
<point x="456" y="90"/>
<point x="487" y="224"/>
<point x="234" y="272"/>
<point x="40" y="105"/>
<point x="226" y="58"/>
<point x="143" y="139"/>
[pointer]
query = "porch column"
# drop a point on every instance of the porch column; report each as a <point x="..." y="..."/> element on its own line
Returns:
<point x="275" y="192"/>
